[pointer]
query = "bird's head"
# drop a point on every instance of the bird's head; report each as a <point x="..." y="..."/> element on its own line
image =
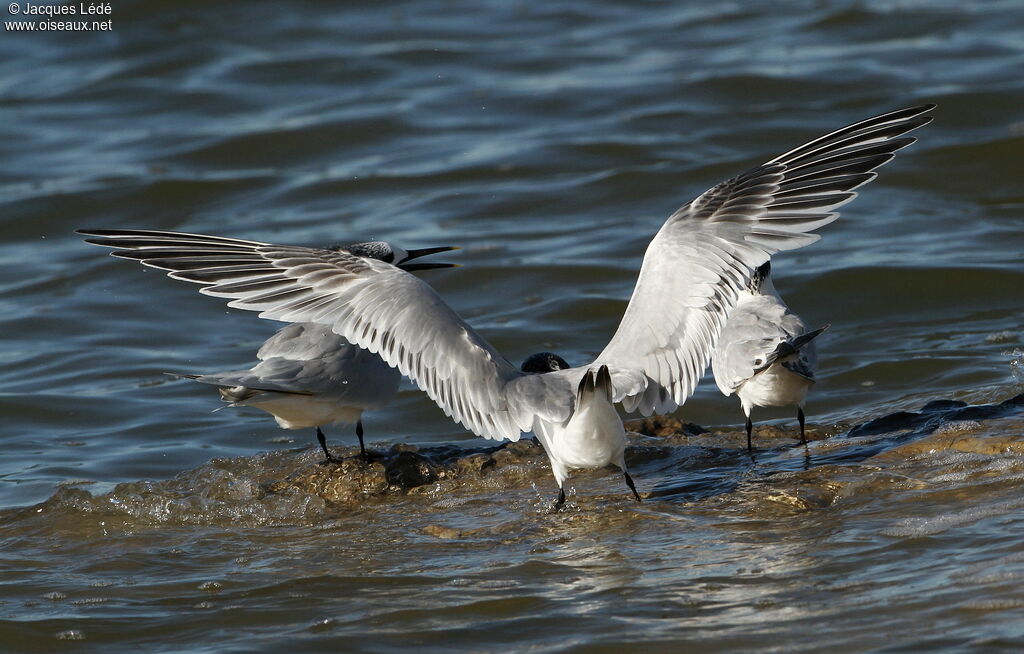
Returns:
<point x="542" y="362"/>
<point x="396" y="256"/>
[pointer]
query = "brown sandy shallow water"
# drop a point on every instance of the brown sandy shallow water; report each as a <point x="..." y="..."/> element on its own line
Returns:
<point x="446" y="546"/>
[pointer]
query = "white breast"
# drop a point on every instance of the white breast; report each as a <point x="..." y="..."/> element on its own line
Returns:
<point x="776" y="386"/>
<point x="302" y="411"/>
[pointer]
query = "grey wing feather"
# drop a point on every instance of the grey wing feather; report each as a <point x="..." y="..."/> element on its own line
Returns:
<point x="706" y="251"/>
<point x="305" y="340"/>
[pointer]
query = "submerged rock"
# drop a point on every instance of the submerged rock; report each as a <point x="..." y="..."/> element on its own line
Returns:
<point x="996" y="436"/>
<point x="664" y="426"/>
<point x="408" y="469"/>
<point x="671" y="461"/>
<point x="438" y="470"/>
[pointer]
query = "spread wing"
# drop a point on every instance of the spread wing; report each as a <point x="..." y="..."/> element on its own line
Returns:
<point x="371" y="303"/>
<point x="707" y="250"/>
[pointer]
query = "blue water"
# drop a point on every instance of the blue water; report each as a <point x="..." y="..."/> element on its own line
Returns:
<point x="549" y="141"/>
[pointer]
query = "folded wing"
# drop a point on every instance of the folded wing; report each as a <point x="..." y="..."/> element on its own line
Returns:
<point x="310" y="359"/>
<point x="755" y="330"/>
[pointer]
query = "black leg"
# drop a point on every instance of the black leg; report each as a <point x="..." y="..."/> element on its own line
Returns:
<point x="750" y="427"/>
<point x="560" y="502"/>
<point x="632" y="486"/>
<point x="323" y="445"/>
<point x="362" y="447"/>
<point x="800" y="417"/>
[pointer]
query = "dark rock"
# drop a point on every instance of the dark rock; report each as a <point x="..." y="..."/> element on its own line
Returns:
<point x="885" y="424"/>
<point x="409" y="469"/>
<point x="664" y="426"/>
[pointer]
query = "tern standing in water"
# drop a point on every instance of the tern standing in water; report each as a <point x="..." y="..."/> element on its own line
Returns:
<point x="308" y="376"/>
<point x="693" y="271"/>
<point x="765" y="354"/>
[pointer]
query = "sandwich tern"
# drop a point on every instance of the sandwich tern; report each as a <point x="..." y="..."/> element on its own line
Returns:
<point x="308" y="376"/>
<point x="765" y="354"/>
<point x="692" y="273"/>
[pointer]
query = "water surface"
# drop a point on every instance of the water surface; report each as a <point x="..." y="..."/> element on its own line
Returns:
<point x="549" y="141"/>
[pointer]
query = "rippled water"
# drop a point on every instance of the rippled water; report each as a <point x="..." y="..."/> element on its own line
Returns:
<point x="550" y="141"/>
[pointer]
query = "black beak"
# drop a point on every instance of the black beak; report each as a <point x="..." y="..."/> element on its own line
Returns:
<point x="416" y="254"/>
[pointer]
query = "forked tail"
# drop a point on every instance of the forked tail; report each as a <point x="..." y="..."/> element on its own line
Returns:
<point x="592" y="384"/>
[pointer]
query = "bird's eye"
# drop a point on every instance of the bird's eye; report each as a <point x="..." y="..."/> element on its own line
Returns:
<point x="757" y="362"/>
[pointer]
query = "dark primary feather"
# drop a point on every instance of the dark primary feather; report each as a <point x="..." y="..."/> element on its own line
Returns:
<point x="760" y="274"/>
<point x="819" y="174"/>
<point x="887" y="125"/>
<point x="142" y="235"/>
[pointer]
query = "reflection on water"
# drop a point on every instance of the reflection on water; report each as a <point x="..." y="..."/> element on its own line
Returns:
<point x="550" y="141"/>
